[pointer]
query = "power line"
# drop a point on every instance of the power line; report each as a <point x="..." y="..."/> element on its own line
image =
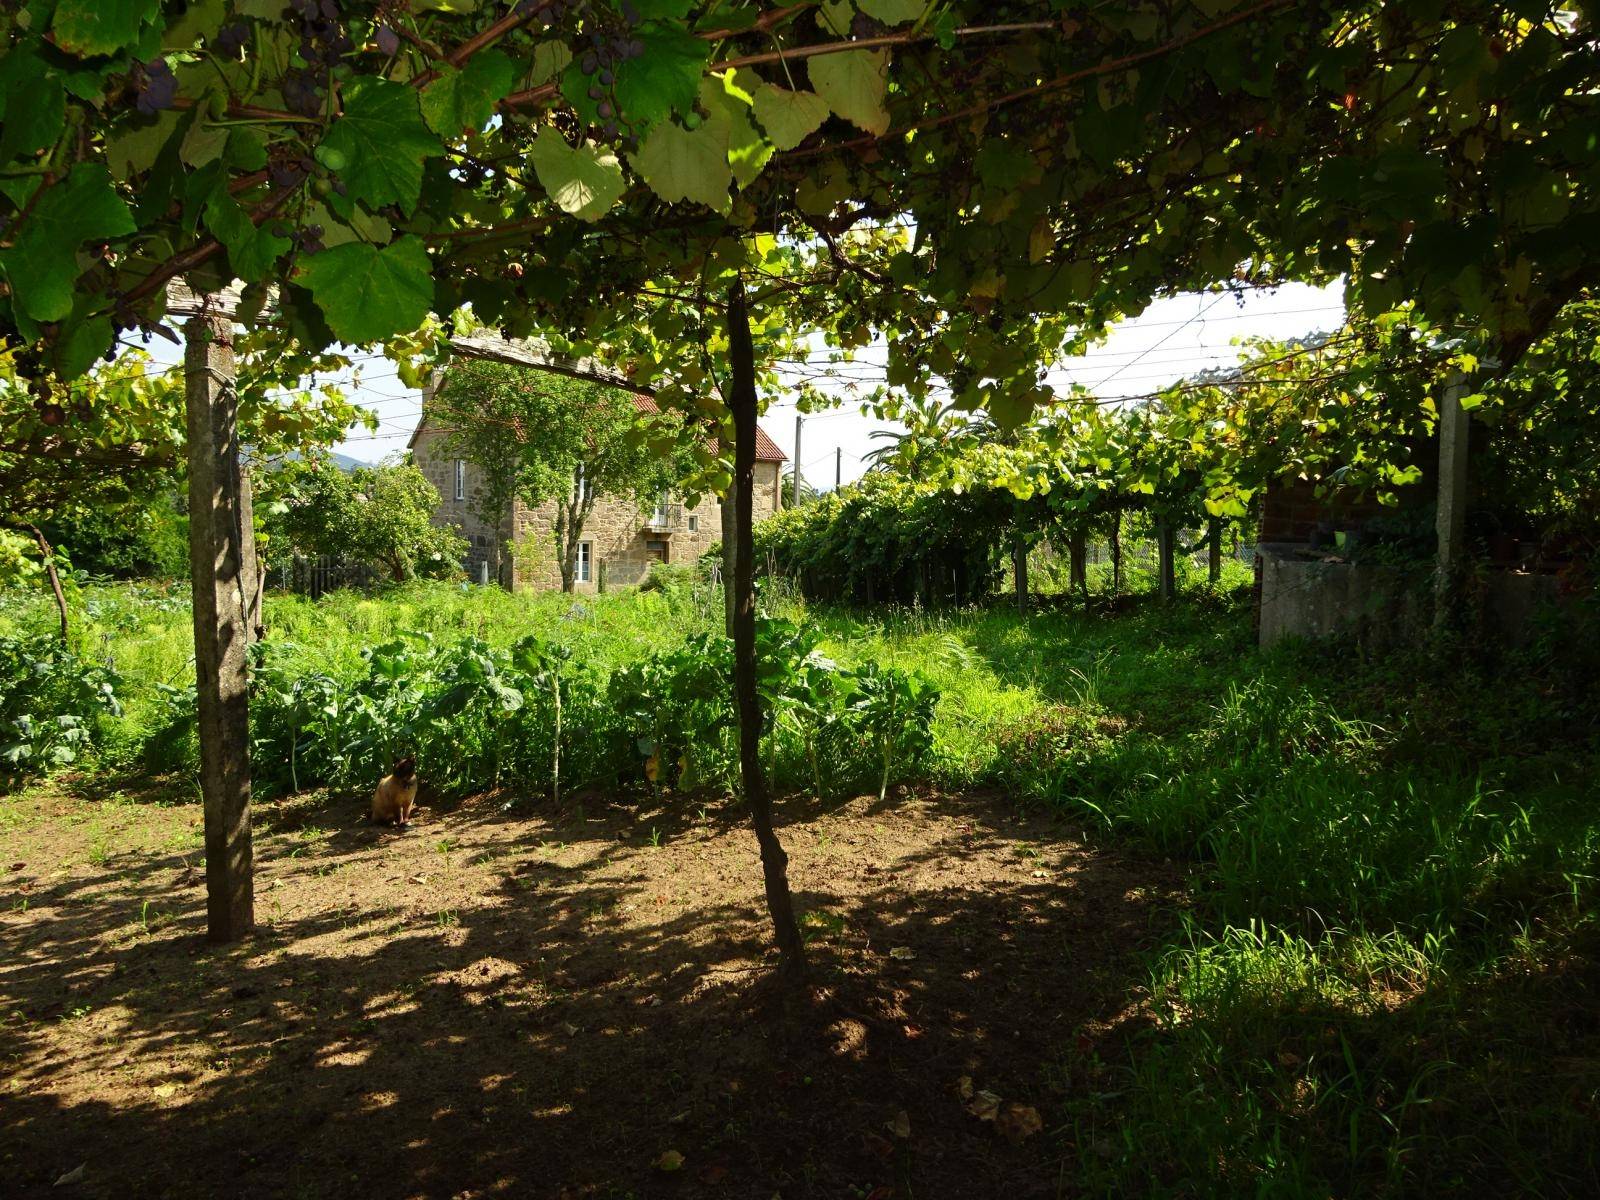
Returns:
<point x="1199" y="313"/>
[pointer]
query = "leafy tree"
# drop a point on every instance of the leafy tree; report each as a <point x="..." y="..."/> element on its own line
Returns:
<point x="548" y="438"/>
<point x="377" y="515"/>
<point x="149" y="540"/>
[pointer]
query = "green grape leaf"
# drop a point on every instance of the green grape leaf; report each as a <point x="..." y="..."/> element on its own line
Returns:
<point x="584" y="182"/>
<point x="894" y="12"/>
<point x="682" y="165"/>
<point x="665" y="78"/>
<point x="42" y="264"/>
<point x="835" y="17"/>
<point x="135" y="150"/>
<point x="367" y="294"/>
<point x="251" y="249"/>
<point x="463" y="101"/>
<point x="384" y="143"/>
<point x="80" y="344"/>
<point x="33" y="105"/>
<point x="93" y="27"/>
<point x="724" y="97"/>
<point x="672" y="10"/>
<point x="549" y="60"/>
<point x="789" y="117"/>
<point x="854" y="84"/>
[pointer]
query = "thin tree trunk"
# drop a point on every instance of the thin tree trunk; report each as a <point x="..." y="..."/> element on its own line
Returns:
<point x="249" y="565"/>
<point x="730" y="557"/>
<point x="1019" y="568"/>
<point x="49" y="557"/>
<point x="220" y="632"/>
<point x="774" y="862"/>
<point x="565" y="563"/>
<point x="1078" y="557"/>
<point x="1116" y="554"/>
<point x="1214" y="550"/>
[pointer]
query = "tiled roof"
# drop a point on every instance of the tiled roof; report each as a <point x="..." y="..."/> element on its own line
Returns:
<point x="767" y="449"/>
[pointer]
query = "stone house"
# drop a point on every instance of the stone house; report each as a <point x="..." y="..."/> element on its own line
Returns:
<point x="619" y="541"/>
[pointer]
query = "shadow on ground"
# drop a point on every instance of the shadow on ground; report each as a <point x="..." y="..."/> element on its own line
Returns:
<point x="544" y="1003"/>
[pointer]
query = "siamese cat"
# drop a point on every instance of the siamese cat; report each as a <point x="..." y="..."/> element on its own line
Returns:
<point x="396" y="796"/>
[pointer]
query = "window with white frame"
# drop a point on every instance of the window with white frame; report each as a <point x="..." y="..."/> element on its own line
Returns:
<point x="585" y="561"/>
<point x="660" y="517"/>
<point x="582" y="489"/>
<point x="461" y="479"/>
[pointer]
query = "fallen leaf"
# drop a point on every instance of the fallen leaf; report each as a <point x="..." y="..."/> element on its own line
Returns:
<point x="964" y="1087"/>
<point x="670" y="1160"/>
<point x="165" y="1091"/>
<point x="73" y="1176"/>
<point x="1019" y="1122"/>
<point x="17" y="866"/>
<point x="902" y="953"/>
<point x="1041" y="874"/>
<point x="985" y="1106"/>
<point x="882" y="1192"/>
<point x="713" y="1174"/>
<point x="900" y="1125"/>
<point x="418" y="879"/>
<point x="912" y="1032"/>
<point x="880" y="1147"/>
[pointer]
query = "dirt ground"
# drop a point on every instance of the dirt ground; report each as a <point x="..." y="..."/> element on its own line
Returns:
<point x="577" y="1002"/>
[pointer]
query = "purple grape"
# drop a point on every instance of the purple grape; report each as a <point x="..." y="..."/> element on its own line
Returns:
<point x="159" y="89"/>
<point x="231" y="39"/>
<point x="388" y="40"/>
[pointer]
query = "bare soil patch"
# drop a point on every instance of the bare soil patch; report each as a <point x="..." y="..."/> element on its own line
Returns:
<point x="542" y="1002"/>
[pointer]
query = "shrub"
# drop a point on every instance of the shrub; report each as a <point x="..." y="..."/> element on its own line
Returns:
<point x="51" y="705"/>
<point x="381" y="516"/>
<point x="885" y="540"/>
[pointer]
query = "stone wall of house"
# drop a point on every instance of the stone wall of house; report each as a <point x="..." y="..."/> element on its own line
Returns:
<point x="623" y="541"/>
<point x="435" y="460"/>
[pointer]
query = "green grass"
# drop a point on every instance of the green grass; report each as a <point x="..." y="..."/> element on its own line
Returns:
<point x="1382" y="979"/>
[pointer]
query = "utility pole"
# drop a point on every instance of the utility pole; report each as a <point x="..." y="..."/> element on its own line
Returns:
<point x="799" y="421"/>
<point x="838" y="466"/>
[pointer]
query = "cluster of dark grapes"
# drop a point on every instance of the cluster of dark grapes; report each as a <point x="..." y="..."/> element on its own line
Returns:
<point x="306" y="238"/>
<point x="613" y="38"/>
<point x="231" y="38"/>
<point x="286" y="172"/>
<point x="157" y="87"/>
<point x="323" y="43"/>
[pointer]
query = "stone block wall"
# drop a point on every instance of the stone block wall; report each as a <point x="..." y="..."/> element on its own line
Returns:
<point x="435" y="460"/>
<point x="618" y="532"/>
<point x="619" y="537"/>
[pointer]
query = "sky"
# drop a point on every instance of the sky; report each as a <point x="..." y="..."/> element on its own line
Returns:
<point x="1172" y="339"/>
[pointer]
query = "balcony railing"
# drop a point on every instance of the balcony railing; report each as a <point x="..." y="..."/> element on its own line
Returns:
<point x="664" y="518"/>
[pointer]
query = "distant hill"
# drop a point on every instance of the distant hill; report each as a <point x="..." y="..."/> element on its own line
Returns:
<point x="343" y="461"/>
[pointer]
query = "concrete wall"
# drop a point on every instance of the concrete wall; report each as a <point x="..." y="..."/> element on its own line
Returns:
<point x="1380" y="605"/>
